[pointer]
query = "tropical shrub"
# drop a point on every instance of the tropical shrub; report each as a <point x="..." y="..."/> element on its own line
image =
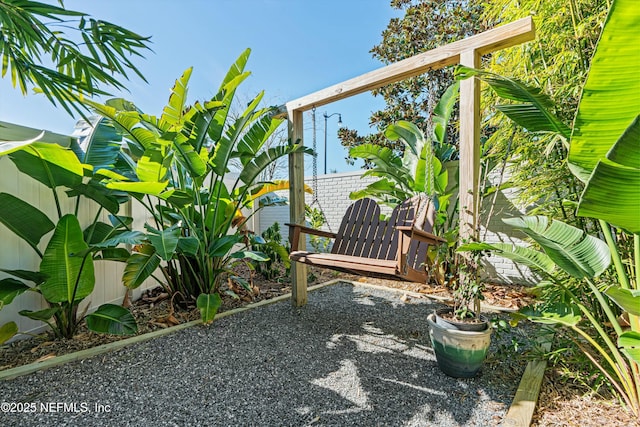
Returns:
<point x="181" y="176"/>
<point x="275" y="251"/>
<point x="604" y="154"/>
<point x="66" y="274"/>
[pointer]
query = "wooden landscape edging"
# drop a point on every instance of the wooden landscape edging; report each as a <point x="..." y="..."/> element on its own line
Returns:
<point x="524" y="403"/>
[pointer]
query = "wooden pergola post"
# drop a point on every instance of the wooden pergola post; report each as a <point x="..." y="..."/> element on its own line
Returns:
<point x="467" y="52"/>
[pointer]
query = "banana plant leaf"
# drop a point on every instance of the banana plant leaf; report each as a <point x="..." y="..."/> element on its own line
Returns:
<point x="172" y="114"/>
<point x="41" y="315"/>
<point x="98" y="143"/>
<point x="49" y="164"/>
<point x="70" y="278"/>
<point x="32" y="276"/>
<point x="9" y="289"/>
<point x="252" y="170"/>
<point x="164" y="241"/>
<point x="611" y="193"/>
<point x="8" y="147"/>
<point x="442" y="112"/>
<point x="8" y="331"/>
<point x="559" y="313"/>
<point x="112" y="319"/>
<point x="232" y="79"/>
<point x="577" y="253"/>
<point x="208" y="304"/>
<point x="256" y="256"/>
<point x="627" y="299"/>
<point x="630" y="343"/>
<point x="256" y="136"/>
<point x="611" y="95"/>
<point x="188" y="245"/>
<point x="533" y="109"/>
<point x="530" y="257"/>
<point x="140" y="266"/>
<point x="25" y="220"/>
<point x="98" y="193"/>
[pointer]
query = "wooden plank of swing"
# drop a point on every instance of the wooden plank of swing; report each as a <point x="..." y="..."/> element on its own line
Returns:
<point x="388" y="237"/>
<point x="358" y="220"/>
<point x="364" y="265"/>
<point x="367" y="229"/>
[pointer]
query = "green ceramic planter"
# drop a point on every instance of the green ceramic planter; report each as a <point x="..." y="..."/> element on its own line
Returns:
<point x="459" y="354"/>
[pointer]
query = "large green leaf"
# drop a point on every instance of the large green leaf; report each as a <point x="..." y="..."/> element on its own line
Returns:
<point x="164" y="241"/>
<point x="208" y="304"/>
<point x="98" y="143"/>
<point x="627" y="299"/>
<point x="50" y="164"/>
<point x="614" y="182"/>
<point x="225" y="94"/>
<point x="188" y="157"/>
<point x="7" y="331"/>
<point x="70" y="278"/>
<point x="442" y="112"/>
<point x="532" y="109"/>
<point x="611" y="95"/>
<point x="150" y="188"/>
<point x="41" y="315"/>
<point x="256" y="136"/>
<point x="530" y="257"/>
<point x="8" y="147"/>
<point x="9" y="289"/>
<point x="99" y="193"/>
<point x="221" y="246"/>
<point x="577" y="253"/>
<point x="112" y="319"/>
<point x="154" y="165"/>
<point x="252" y="170"/>
<point x="171" y="118"/>
<point x="630" y="343"/>
<point x="32" y="276"/>
<point x="25" y="220"/>
<point x="140" y="266"/>
<point x="558" y="313"/>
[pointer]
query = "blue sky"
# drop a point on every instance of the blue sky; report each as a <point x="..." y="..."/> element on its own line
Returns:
<point x="298" y="47"/>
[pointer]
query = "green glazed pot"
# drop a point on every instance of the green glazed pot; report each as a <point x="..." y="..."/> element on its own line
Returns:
<point x="459" y="354"/>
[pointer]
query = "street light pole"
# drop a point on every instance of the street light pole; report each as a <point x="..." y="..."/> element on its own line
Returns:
<point x="326" y="118"/>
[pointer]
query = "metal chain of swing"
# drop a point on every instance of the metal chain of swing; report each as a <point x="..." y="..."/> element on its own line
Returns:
<point x="314" y="180"/>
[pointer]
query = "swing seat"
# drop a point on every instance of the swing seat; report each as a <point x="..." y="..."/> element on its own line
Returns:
<point x="366" y="245"/>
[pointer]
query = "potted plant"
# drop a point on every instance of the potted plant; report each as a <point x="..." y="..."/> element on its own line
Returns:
<point x="460" y="336"/>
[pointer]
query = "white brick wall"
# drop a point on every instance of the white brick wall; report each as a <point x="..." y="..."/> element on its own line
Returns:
<point x="333" y="196"/>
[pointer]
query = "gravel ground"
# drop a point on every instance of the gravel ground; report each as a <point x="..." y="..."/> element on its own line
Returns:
<point x="354" y="356"/>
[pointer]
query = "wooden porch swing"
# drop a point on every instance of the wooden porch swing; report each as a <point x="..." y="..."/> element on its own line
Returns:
<point x="366" y="245"/>
<point x="466" y="52"/>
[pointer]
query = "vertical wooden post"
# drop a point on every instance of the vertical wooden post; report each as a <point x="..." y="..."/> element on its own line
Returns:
<point x="296" y="205"/>
<point x="469" y="148"/>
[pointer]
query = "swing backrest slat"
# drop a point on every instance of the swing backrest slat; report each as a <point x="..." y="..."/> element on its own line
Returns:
<point x="363" y="234"/>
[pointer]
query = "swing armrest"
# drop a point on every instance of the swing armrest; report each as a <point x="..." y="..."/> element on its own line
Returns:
<point x="296" y="229"/>
<point x="418" y="234"/>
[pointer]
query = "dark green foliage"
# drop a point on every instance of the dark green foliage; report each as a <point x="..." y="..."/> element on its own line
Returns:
<point x="278" y="264"/>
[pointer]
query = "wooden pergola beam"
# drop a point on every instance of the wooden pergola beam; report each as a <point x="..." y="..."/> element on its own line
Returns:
<point x="467" y="52"/>
<point x="498" y="38"/>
